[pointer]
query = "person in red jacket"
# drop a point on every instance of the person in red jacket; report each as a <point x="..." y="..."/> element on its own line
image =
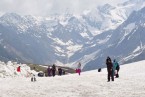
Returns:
<point x="19" y="69"/>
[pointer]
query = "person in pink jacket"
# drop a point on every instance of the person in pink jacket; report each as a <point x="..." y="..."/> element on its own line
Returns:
<point x="78" y="70"/>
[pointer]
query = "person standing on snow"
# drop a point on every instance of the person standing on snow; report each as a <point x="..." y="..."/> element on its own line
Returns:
<point x="109" y="68"/>
<point x="116" y="67"/>
<point x="59" y="71"/>
<point x="63" y="72"/>
<point x="33" y="78"/>
<point x="49" y="71"/>
<point x="78" y="70"/>
<point x="53" y="70"/>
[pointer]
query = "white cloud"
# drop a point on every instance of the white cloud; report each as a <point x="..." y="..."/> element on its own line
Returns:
<point x="46" y="7"/>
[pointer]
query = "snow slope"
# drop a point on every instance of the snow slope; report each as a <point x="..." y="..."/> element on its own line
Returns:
<point x="89" y="84"/>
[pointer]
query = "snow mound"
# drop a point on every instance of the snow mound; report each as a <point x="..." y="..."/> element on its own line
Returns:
<point x="9" y="69"/>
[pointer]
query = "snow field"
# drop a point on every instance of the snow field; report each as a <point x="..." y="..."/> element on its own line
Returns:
<point x="90" y="84"/>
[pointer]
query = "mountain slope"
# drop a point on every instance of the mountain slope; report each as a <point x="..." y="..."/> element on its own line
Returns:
<point x="67" y="39"/>
<point x="126" y="42"/>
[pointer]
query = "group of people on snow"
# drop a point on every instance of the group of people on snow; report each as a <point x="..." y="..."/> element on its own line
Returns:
<point x="51" y="71"/>
<point x="112" y="68"/>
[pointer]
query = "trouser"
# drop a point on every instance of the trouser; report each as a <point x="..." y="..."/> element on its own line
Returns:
<point x="117" y="75"/>
<point x="60" y="73"/>
<point x="110" y="74"/>
<point x="53" y="73"/>
<point x="49" y="74"/>
<point x="33" y="79"/>
<point x="79" y="71"/>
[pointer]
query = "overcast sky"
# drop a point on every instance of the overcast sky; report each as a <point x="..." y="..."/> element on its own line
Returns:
<point x="46" y="7"/>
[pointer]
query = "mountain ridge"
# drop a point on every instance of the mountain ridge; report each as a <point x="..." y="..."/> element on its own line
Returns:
<point x="64" y="39"/>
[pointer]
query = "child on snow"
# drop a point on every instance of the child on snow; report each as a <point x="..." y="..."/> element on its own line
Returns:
<point x="33" y="78"/>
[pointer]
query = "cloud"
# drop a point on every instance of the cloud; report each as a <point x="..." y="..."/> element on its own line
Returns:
<point x="46" y="7"/>
<point x="34" y="7"/>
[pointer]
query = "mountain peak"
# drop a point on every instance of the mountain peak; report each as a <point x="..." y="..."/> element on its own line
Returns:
<point x="11" y="14"/>
<point x="11" y="17"/>
<point x="106" y="8"/>
<point x="133" y="2"/>
<point x="136" y="1"/>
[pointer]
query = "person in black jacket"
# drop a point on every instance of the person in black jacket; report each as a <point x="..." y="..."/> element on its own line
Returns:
<point x="59" y="71"/>
<point x="49" y="71"/>
<point x="53" y="70"/>
<point x="109" y="68"/>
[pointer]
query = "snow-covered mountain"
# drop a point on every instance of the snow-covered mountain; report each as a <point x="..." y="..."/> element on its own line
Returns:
<point x="126" y="43"/>
<point x="41" y="40"/>
<point x="65" y="39"/>
<point x="108" y="17"/>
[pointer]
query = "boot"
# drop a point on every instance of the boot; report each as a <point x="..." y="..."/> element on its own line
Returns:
<point x="31" y="79"/>
<point x="34" y="79"/>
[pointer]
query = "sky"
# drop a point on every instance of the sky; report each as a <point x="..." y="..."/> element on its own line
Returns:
<point x="47" y="7"/>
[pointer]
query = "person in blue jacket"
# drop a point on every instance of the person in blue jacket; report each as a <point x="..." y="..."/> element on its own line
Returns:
<point x="116" y="67"/>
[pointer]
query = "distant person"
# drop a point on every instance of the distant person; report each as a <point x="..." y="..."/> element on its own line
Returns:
<point x="49" y="71"/>
<point x="99" y="70"/>
<point x="109" y="68"/>
<point x="33" y="78"/>
<point x="116" y="67"/>
<point x="59" y="71"/>
<point x="78" y="70"/>
<point x="53" y="70"/>
<point x="63" y="72"/>
<point x="19" y="69"/>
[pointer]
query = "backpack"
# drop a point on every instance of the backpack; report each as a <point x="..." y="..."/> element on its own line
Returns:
<point x="99" y="70"/>
<point x="117" y="67"/>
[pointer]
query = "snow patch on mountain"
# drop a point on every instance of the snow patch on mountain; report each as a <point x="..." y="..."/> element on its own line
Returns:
<point x="84" y="34"/>
<point x="86" y="58"/>
<point x="129" y="28"/>
<point x="131" y="56"/>
<point x="137" y="49"/>
<point x="104" y="40"/>
<point x="73" y="48"/>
